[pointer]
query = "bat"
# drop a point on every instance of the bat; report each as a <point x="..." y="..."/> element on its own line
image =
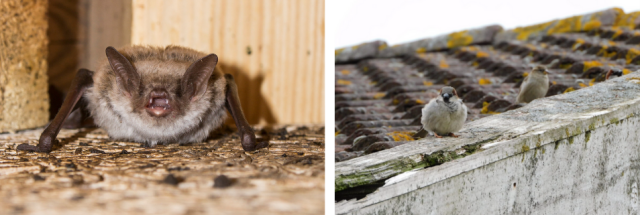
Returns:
<point x="153" y="95"/>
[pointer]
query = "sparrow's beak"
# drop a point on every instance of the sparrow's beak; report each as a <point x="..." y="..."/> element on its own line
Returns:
<point x="446" y="96"/>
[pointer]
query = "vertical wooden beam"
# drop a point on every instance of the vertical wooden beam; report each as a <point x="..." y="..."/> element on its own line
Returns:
<point x="24" y="102"/>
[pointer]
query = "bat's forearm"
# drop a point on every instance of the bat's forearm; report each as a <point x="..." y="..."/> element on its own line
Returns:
<point x="82" y="81"/>
<point x="247" y="136"/>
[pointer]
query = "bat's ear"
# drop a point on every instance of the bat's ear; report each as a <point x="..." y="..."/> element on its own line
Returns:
<point x="126" y="76"/>
<point x="195" y="80"/>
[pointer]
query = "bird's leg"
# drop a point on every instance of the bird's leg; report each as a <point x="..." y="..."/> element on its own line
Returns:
<point x="436" y="135"/>
<point x="82" y="81"/>
<point x="247" y="136"/>
<point x="453" y="135"/>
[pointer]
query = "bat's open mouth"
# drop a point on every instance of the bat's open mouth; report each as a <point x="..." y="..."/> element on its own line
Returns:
<point x="158" y="106"/>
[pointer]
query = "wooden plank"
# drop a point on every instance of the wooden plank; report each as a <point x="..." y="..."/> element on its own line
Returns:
<point x="275" y="49"/>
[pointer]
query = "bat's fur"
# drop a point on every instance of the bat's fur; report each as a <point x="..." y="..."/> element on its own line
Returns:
<point x="442" y="117"/>
<point x="534" y="86"/>
<point x="125" y="118"/>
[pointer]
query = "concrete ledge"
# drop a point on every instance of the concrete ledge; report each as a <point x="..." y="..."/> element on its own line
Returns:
<point x="593" y="130"/>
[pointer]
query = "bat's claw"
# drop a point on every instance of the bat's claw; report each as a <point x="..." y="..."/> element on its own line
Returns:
<point x="249" y="142"/>
<point x="453" y="135"/>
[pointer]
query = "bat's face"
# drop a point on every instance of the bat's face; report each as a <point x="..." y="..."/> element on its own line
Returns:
<point x="160" y="98"/>
<point x="161" y="93"/>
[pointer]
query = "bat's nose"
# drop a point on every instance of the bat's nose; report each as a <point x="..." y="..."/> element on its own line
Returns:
<point x="158" y="103"/>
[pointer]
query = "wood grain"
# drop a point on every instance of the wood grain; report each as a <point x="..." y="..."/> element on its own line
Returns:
<point x="274" y="48"/>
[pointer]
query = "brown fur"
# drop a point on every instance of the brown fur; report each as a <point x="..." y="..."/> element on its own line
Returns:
<point x="125" y="118"/>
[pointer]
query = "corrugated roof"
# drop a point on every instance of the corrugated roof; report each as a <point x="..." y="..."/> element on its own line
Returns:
<point x="381" y="89"/>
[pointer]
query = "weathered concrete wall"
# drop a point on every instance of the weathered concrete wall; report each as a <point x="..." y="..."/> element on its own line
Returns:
<point x="576" y="153"/>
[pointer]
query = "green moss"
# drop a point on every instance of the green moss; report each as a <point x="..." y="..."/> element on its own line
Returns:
<point x="587" y="136"/>
<point x="577" y="131"/>
<point x="365" y="176"/>
<point x="557" y="143"/>
<point x="614" y="120"/>
<point x="592" y="126"/>
<point x="566" y="130"/>
<point x="525" y="148"/>
<point x="570" y="140"/>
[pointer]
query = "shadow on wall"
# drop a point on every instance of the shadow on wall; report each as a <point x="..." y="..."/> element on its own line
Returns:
<point x="254" y="105"/>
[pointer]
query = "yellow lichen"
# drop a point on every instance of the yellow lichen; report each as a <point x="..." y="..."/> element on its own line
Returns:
<point x="365" y="68"/>
<point x="396" y="102"/>
<point x="484" y="81"/>
<point x="382" y="46"/>
<point x="418" y="101"/>
<point x="337" y="132"/>
<point x="421" y="50"/>
<point x="427" y="83"/>
<point x="524" y="32"/>
<point x="590" y="25"/>
<point x="566" y="25"/>
<point x="570" y="89"/>
<point x="581" y="85"/>
<point x="338" y="51"/>
<point x="617" y="32"/>
<point x="609" y="54"/>
<point x="632" y="53"/>
<point x="343" y="82"/>
<point x="345" y="72"/>
<point x="627" y="20"/>
<point x="379" y="95"/>
<point x="355" y="47"/>
<point x="482" y="54"/>
<point x="485" y="109"/>
<point x="565" y="66"/>
<point x="525" y="74"/>
<point x="373" y="83"/>
<point x="458" y="39"/>
<point x="401" y="135"/>
<point x="592" y="81"/>
<point x="626" y="71"/>
<point x="443" y="64"/>
<point x="554" y="82"/>
<point x="590" y="64"/>
<point x="475" y="64"/>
